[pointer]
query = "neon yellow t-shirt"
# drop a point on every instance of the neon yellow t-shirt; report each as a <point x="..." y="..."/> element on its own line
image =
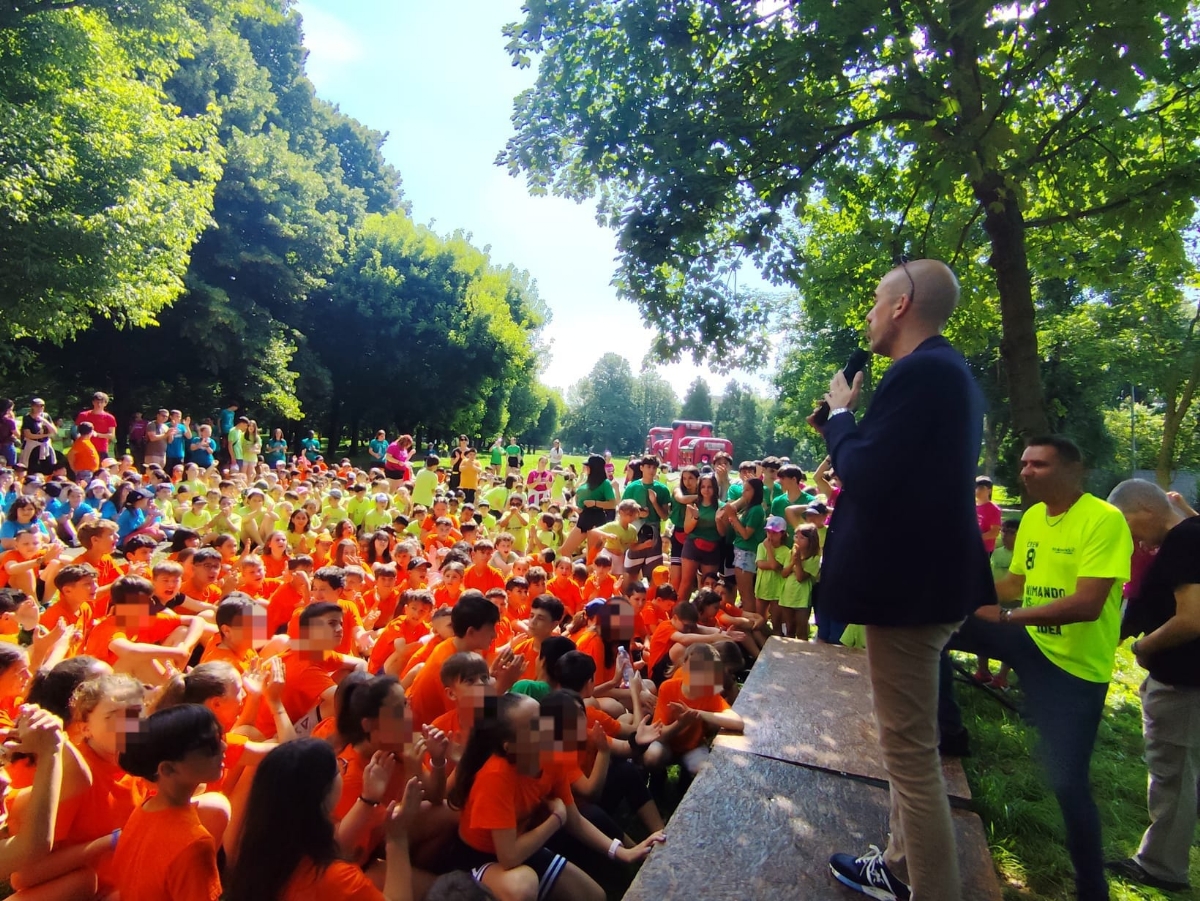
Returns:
<point x="376" y="519"/>
<point x="618" y="538"/>
<point x="1091" y="540"/>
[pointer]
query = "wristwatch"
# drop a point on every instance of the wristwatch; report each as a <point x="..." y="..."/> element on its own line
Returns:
<point x="1006" y="614"/>
<point x="833" y="413"/>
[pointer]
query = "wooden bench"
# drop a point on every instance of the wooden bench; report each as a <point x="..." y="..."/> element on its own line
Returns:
<point x="804" y="782"/>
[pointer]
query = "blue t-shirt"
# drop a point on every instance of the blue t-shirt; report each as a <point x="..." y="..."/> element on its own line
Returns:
<point x="276" y="450"/>
<point x="130" y="520"/>
<point x="11" y="528"/>
<point x="80" y="512"/>
<point x="227" y="420"/>
<point x="175" y="444"/>
<point x="202" y="453"/>
<point x="378" y="446"/>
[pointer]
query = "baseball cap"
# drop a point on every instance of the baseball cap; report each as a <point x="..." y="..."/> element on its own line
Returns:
<point x="776" y="524"/>
<point x="381" y="498"/>
<point x="594" y="606"/>
<point x="817" y="508"/>
<point x="417" y="562"/>
<point x="96" y="483"/>
<point x="335" y="492"/>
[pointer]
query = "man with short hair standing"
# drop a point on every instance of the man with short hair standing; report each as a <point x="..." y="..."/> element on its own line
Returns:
<point x="926" y="416"/>
<point x="1166" y="614"/>
<point x="1070" y="560"/>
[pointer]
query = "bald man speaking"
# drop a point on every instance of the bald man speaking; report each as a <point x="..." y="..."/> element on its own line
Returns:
<point x="907" y="565"/>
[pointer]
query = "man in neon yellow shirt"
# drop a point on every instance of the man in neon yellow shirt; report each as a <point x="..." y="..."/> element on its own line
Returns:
<point x="1071" y="559"/>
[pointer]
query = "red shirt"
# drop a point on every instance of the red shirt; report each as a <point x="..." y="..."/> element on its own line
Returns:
<point x="102" y="422"/>
<point x="989" y="517"/>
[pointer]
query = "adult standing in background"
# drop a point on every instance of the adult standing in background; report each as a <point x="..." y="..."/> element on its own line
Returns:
<point x="926" y="416"/>
<point x="103" y="422"/>
<point x="8" y="432"/>
<point x="1165" y="612"/>
<point x="555" y="454"/>
<point x="1070" y="558"/>
<point x="37" y="454"/>
<point x="456" y="459"/>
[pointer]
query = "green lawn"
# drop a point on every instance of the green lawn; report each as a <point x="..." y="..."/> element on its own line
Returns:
<point x="1021" y="816"/>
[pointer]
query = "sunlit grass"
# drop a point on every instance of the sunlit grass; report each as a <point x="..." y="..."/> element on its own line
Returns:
<point x="1021" y="816"/>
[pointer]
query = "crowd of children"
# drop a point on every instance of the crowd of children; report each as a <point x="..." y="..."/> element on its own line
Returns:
<point x="222" y="677"/>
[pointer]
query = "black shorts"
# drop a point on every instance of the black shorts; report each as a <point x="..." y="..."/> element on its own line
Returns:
<point x="676" y="546"/>
<point x="461" y="856"/>
<point x="590" y="518"/>
<point x="693" y="552"/>
<point x="514" y="462"/>
<point x="396" y="475"/>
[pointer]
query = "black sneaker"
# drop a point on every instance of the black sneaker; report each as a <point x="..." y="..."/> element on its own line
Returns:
<point x="1132" y="871"/>
<point x="869" y="874"/>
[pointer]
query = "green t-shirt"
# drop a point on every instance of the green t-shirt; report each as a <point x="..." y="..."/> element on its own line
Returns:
<point x="797" y="594"/>
<point x="376" y="519"/>
<point x="497" y="455"/>
<point x="603" y="492"/>
<point x="331" y="516"/>
<point x="618" y="538"/>
<point x="736" y="490"/>
<point x="532" y="688"/>
<point x="779" y="508"/>
<point x="768" y="583"/>
<point x="497" y="498"/>
<point x="424" y="484"/>
<point x="640" y="492"/>
<point x="755" y="518"/>
<point x="706" y="524"/>
<point x="1091" y="540"/>
<point x="513" y="450"/>
<point x="237" y="438"/>
<point x="1001" y="561"/>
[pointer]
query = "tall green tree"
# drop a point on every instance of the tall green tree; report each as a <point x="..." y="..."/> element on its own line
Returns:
<point x="706" y="128"/>
<point x="655" y="400"/>
<point x="601" y="414"/>
<point x="104" y="183"/>
<point x="739" y="418"/>
<point x="697" y="402"/>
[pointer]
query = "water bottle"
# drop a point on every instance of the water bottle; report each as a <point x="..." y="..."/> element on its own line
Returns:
<point x="624" y="666"/>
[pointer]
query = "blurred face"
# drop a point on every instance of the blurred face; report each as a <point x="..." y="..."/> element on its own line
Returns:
<point x="532" y="736"/>
<point x="393" y="727"/>
<point x="324" y="633"/>
<point x="27" y="544"/>
<point x="574" y="733"/>
<point x="702" y="677"/>
<point x="469" y="693"/>
<point x="620" y="623"/>
<point x="112" y="720"/>
<point x="983" y="494"/>
<point x="203" y="764"/>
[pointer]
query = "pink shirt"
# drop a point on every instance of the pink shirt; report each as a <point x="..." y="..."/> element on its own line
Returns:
<point x="103" y="422"/>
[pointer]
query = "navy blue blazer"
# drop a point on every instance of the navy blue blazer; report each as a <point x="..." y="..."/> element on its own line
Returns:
<point x="903" y="546"/>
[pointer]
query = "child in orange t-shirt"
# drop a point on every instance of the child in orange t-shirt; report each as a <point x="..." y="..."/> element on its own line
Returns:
<point x="467" y="680"/>
<point x="600" y="584"/>
<point x="137" y="640"/>
<point x="657" y="610"/>
<point x="503" y="795"/>
<point x="563" y="587"/>
<point x="167" y="851"/>
<point x="83" y="458"/>
<point x="448" y="590"/>
<point x="659" y="576"/>
<point x="402" y="636"/>
<point x="481" y="575"/>
<point x="690" y="707"/>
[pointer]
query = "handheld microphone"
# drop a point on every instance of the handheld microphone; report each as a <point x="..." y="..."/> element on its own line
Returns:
<point x="857" y="362"/>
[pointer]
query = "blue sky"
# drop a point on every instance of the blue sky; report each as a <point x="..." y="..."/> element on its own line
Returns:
<point x="436" y="78"/>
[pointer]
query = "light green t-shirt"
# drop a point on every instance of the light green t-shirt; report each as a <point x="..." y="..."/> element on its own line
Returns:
<point x="618" y="538"/>
<point x="768" y="583"/>
<point x="1090" y="540"/>
<point x="424" y="486"/>
<point x="377" y="519"/>
<point x="797" y="594"/>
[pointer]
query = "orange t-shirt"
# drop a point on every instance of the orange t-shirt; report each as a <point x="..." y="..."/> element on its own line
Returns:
<point x="83" y="455"/>
<point x="303" y="684"/>
<point x="446" y="595"/>
<point x="484" y="578"/>
<point x="690" y="737"/>
<point x="599" y="587"/>
<point x="579" y="764"/>
<point x="423" y="655"/>
<point x="235" y="747"/>
<point x="107" y="571"/>
<point x="107" y="630"/>
<point x="166" y="855"/>
<point x="340" y="881"/>
<point x="590" y="643"/>
<point x="351" y="620"/>
<point x="501" y="798"/>
<point x="218" y="653"/>
<point x="6" y="558"/>
<point x="274" y="566"/>
<point x="281" y="606"/>
<point x="81" y="622"/>
<point x="263" y="589"/>
<point x="568" y="592"/>
<point x="524" y="648"/>
<point x="653" y="616"/>
<point x="426" y="696"/>
<point x="660" y="643"/>
<point x="504" y="634"/>
<point x="386" y="645"/>
<point x="352" y="764"/>
<point x="385" y="606"/>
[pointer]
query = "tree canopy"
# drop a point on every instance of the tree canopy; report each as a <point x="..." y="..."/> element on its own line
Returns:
<point x="1014" y="142"/>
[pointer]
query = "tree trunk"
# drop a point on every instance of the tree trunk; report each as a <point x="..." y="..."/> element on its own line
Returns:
<point x="1005" y="226"/>
<point x="354" y="436"/>
<point x="333" y="438"/>
<point x="1178" y="406"/>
